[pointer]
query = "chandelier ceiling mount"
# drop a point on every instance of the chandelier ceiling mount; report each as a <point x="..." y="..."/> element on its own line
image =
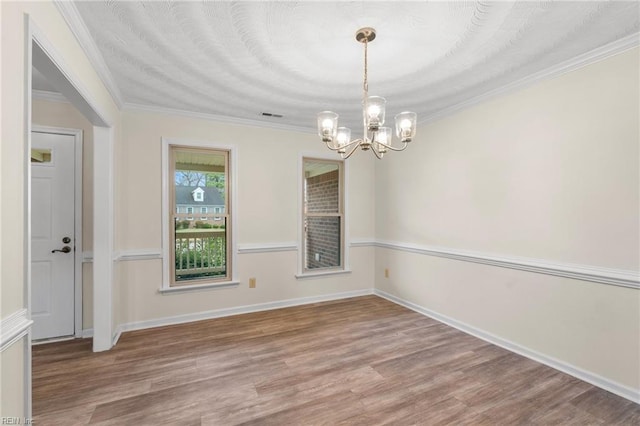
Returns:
<point x="376" y="137"/>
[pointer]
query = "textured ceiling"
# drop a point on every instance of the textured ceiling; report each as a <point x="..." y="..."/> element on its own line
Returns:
<point x="239" y="59"/>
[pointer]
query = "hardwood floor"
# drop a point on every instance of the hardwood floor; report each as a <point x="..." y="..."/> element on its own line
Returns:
<point x="360" y="361"/>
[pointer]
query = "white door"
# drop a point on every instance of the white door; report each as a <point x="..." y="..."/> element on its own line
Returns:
<point x="52" y="235"/>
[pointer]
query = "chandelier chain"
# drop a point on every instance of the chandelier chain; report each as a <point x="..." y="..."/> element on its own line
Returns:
<point x="366" y="83"/>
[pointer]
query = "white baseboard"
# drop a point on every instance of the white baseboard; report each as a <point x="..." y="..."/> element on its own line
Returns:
<point x="595" y="379"/>
<point x="116" y="336"/>
<point x="218" y="313"/>
<point x="52" y="340"/>
<point x="86" y="333"/>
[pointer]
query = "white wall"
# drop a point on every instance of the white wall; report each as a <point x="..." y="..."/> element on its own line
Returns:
<point x="12" y="368"/>
<point x="548" y="173"/>
<point x="267" y="213"/>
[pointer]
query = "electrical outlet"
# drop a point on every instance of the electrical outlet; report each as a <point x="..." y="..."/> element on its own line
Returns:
<point x="252" y="283"/>
<point x="386" y="272"/>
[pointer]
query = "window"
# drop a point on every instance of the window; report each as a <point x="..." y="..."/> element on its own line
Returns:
<point x="196" y="252"/>
<point x="323" y="215"/>
<point x="40" y="155"/>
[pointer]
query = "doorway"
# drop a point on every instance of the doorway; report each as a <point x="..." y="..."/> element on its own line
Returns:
<point x="56" y="233"/>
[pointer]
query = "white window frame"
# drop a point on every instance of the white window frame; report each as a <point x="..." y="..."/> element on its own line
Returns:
<point x="166" y="237"/>
<point x="346" y="267"/>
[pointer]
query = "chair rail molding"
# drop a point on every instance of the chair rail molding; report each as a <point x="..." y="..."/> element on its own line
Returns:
<point x="617" y="277"/>
<point x="267" y="247"/>
<point x="13" y="328"/>
<point x="138" y="254"/>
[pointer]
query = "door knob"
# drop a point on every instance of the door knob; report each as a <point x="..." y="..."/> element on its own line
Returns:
<point x="65" y="249"/>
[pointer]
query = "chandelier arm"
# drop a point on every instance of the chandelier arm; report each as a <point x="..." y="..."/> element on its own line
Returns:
<point x="332" y="148"/>
<point x="356" y="141"/>
<point x="374" y="146"/>
<point x="375" y="152"/>
<point x="393" y="148"/>
<point x="350" y="153"/>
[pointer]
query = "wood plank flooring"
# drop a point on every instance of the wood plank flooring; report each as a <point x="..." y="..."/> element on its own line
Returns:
<point x="359" y="361"/>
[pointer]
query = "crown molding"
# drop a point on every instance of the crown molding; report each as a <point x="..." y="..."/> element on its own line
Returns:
<point x="43" y="95"/>
<point x="80" y="31"/>
<point x="573" y="64"/>
<point x="74" y="20"/>
<point x="213" y="117"/>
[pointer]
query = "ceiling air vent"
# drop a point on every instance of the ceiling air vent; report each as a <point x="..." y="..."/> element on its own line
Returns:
<point x="270" y="114"/>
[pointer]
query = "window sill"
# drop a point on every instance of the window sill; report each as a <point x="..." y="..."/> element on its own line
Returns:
<point x="197" y="287"/>
<point x="321" y="274"/>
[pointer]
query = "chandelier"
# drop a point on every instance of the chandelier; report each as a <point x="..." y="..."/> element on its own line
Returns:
<point x="376" y="137"/>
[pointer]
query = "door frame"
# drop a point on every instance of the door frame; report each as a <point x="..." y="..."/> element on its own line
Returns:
<point x="38" y="48"/>
<point x="77" y="212"/>
<point x="42" y="54"/>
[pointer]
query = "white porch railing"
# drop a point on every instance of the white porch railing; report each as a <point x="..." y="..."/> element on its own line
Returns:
<point x="200" y="253"/>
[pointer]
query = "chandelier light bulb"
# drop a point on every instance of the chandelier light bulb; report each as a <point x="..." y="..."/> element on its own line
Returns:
<point x="343" y="136"/>
<point x="375" y="112"/>
<point x="406" y="126"/>
<point x="327" y="125"/>
<point x="384" y="135"/>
